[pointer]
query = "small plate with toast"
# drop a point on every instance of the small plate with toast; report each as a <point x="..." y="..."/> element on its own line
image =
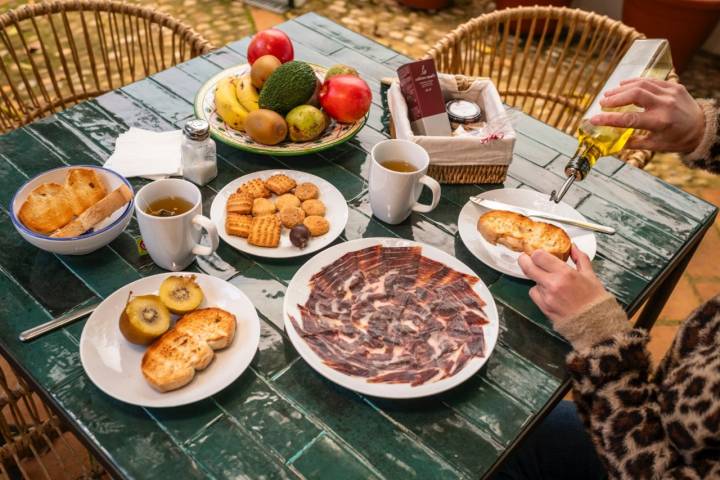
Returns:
<point x="170" y="339"/>
<point x="497" y="237"/>
<point x="279" y="213"/>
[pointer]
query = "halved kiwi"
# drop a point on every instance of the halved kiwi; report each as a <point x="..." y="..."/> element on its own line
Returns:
<point x="181" y="294"/>
<point x="144" y="319"/>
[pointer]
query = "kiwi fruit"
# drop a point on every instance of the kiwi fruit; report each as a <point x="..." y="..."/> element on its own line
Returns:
<point x="266" y="127"/>
<point x="144" y="319"/>
<point x="262" y="68"/>
<point x="181" y="294"/>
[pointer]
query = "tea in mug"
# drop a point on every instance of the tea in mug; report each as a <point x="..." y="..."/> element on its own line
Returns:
<point x="399" y="166"/>
<point x="168" y="207"/>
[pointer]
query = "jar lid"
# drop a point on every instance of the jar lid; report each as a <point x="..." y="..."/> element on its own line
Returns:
<point x="463" y="111"/>
<point x="197" y="129"/>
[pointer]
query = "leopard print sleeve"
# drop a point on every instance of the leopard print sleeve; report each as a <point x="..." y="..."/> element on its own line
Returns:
<point x="617" y="401"/>
<point x="663" y="425"/>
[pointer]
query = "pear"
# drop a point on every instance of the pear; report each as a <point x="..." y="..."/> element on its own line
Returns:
<point x="144" y="319"/>
<point x="181" y="294"/>
<point x="306" y="123"/>
<point x="340" y="69"/>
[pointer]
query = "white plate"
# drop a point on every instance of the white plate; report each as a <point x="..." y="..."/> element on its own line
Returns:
<point x="298" y="292"/>
<point x="336" y="213"/>
<point x="502" y="258"/>
<point x="113" y="363"/>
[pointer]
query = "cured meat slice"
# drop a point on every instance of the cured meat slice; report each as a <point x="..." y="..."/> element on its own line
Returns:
<point x="391" y="315"/>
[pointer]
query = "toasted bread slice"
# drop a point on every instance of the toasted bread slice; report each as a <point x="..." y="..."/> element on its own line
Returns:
<point x="47" y="208"/>
<point x="96" y="213"/>
<point x="522" y="234"/>
<point x="213" y="325"/>
<point x="171" y="361"/>
<point x="85" y="188"/>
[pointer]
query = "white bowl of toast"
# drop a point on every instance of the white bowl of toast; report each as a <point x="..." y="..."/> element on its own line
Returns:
<point x="72" y="210"/>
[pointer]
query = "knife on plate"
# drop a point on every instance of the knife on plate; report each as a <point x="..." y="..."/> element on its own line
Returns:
<point x="493" y="205"/>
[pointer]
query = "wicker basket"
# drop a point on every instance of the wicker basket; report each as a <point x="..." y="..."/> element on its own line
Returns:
<point x="463" y="174"/>
<point x="549" y="62"/>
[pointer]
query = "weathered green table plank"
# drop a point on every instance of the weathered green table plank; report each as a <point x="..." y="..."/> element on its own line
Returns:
<point x="53" y="358"/>
<point x="663" y="193"/>
<point x="397" y="456"/>
<point x="534" y="151"/>
<point x="39" y="273"/>
<point x="126" y="432"/>
<point x="664" y="216"/>
<point x="281" y="419"/>
<point x="347" y="38"/>
<point x="308" y="36"/>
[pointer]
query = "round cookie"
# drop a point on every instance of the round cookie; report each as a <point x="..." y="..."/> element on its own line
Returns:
<point x="291" y="216"/>
<point x="307" y="191"/>
<point x="314" y="207"/>
<point x="316" y="225"/>
<point x="287" y="200"/>
<point x="263" y="206"/>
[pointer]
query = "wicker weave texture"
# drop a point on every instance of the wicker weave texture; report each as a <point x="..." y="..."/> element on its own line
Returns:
<point x="58" y="53"/>
<point x="35" y="445"/>
<point x="550" y="62"/>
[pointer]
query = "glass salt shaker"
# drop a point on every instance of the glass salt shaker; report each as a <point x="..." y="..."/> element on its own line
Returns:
<point x="198" y="152"/>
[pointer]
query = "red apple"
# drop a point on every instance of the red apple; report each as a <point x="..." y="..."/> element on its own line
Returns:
<point x="346" y="98"/>
<point x="270" y="42"/>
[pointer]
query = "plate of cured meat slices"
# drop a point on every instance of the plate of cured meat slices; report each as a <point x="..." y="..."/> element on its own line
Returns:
<point x="390" y="318"/>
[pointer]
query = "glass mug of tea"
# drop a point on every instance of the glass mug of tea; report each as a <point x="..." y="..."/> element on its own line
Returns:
<point x="169" y="213"/>
<point x="397" y="175"/>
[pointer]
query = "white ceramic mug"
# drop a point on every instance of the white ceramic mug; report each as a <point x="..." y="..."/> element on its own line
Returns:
<point x="394" y="195"/>
<point x="173" y="242"/>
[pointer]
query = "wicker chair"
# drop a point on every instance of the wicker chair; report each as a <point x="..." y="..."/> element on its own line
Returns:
<point x="549" y="62"/>
<point x="58" y="53"/>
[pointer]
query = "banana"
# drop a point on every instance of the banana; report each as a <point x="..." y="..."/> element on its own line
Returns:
<point x="247" y="94"/>
<point x="227" y="104"/>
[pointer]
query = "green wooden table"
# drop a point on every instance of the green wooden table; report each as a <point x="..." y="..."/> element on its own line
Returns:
<point x="281" y="419"/>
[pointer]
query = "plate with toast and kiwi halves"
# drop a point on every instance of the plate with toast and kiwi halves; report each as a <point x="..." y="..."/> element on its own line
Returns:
<point x="498" y="237"/>
<point x="170" y="339"/>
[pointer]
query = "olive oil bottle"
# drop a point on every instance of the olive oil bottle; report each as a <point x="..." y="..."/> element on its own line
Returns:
<point x="645" y="58"/>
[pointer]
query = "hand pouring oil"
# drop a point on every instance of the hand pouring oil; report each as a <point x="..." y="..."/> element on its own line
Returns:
<point x="645" y="58"/>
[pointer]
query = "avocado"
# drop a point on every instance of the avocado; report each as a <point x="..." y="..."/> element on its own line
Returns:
<point x="290" y="85"/>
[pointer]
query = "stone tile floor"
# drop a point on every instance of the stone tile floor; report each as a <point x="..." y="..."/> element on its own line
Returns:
<point x="412" y="32"/>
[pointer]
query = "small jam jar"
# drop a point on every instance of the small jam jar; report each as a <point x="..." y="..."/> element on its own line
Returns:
<point x="463" y="111"/>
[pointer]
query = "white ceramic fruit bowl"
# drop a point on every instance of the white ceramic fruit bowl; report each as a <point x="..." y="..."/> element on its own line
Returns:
<point x="103" y="233"/>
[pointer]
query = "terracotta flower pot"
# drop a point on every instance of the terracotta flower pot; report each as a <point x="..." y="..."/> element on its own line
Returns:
<point x="425" y="4"/>
<point x="685" y="23"/>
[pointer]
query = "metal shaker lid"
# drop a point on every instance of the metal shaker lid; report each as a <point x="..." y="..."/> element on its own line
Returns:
<point x="197" y="129"/>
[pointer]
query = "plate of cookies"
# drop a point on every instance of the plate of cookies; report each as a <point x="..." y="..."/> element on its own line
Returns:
<point x="279" y="213"/>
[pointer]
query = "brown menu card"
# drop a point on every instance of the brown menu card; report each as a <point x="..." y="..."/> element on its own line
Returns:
<point x="420" y="86"/>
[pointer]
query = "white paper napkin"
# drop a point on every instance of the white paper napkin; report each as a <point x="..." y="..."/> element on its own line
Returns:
<point x="143" y="153"/>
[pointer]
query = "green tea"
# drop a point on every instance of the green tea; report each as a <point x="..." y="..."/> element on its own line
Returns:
<point x="168" y="207"/>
